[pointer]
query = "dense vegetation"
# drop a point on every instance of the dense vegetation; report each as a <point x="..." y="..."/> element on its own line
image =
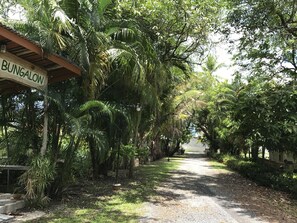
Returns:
<point x="258" y="109"/>
<point x="260" y="172"/>
<point x="139" y="95"/>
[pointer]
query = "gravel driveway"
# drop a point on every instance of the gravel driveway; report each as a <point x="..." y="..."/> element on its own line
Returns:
<point x="199" y="192"/>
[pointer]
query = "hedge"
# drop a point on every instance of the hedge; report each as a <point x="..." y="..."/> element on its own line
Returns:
<point x="261" y="173"/>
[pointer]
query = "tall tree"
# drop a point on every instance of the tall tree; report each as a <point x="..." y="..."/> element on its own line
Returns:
<point x="267" y="31"/>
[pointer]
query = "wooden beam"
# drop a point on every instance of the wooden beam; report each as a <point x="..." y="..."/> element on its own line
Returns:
<point x="12" y="36"/>
<point x="58" y="75"/>
<point x="59" y="68"/>
<point x="64" y="63"/>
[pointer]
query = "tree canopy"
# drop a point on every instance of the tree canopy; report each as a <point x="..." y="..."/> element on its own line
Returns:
<point x="139" y="94"/>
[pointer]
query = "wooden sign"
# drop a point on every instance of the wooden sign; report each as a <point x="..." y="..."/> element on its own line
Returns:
<point x="16" y="69"/>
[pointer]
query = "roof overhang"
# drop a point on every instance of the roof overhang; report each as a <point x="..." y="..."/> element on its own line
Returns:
<point x="56" y="67"/>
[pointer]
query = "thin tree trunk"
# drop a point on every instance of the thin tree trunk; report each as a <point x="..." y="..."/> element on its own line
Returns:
<point x="55" y="139"/>
<point x="255" y="151"/>
<point x="176" y="148"/>
<point x="31" y="120"/>
<point x="263" y="152"/>
<point x="117" y="162"/>
<point x="45" y="124"/>
<point x="64" y="169"/>
<point x="94" y="157"/>
<point x="4" y="102"/>
<point x="245" y="151"/>
<point x="132" y="159"/>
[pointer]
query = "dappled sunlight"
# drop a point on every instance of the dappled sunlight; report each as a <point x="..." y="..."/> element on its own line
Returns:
<point x="199" y="180"/>
<point x="100" y="204"/>
<point x="94" y="213"/>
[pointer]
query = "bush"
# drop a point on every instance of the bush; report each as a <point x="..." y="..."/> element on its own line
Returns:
<point x="36" y="180"/>
<point x="260" y="172"/>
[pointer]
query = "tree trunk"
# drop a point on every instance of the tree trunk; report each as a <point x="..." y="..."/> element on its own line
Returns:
<point x="131" y="167"/>
<point x="214" y="146"/>
<point x="107" y="164"/>
<point x="263" y="153"/>
<point x="94" y="157"/>
<point x="156" y="149"/>
<point x="64" y="168"/>
<point x="117" y="163"/>
<point x="132" y="159"/>
<point x="56" y="128"/>
<point x="166" y="147"/>
<point x="176" y="148"/>
<point x="4" y="102"/>
<point x="45" y="125"/>
<point x="255" y="151"/>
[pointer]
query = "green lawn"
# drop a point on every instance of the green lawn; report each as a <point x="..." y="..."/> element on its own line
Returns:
<point x="217" y="165"/>
<point x="98" y="203"/>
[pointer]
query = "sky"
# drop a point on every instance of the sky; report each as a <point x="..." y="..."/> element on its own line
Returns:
<point x="224" y="57"/>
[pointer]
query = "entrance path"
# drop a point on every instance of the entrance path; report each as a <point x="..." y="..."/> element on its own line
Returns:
<point x="201" y="192"/>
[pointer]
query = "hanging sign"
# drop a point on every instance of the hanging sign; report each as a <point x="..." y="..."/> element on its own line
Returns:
<point x="16" y="69"/>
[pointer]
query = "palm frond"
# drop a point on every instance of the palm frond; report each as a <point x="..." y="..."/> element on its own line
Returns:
<point x="102" y="107"/>
<point x="187" y="97"/>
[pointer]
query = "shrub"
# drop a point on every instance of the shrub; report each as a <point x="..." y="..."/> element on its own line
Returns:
<point x="260" y="172"/>
<point x="36" y="179"/>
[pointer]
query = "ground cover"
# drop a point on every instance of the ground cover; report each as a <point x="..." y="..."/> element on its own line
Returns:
<point x="97" y="202"/>
<point x="261" y="173"/>
<point x="262" y="181"/>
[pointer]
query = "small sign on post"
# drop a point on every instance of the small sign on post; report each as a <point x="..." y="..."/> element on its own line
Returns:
<point x="18" y="70"/>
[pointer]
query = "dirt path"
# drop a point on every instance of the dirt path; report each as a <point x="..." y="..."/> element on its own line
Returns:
<point x="199" y="192"/>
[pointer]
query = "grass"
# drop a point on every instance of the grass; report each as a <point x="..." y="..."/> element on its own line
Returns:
<point x="218" y="166"/>
<point x="98" y="203"/>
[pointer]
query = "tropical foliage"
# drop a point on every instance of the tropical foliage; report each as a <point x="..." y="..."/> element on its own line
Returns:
<point x="139" y="95"/>
<point x="258" y="109"/>
<point x="133" y="98"/>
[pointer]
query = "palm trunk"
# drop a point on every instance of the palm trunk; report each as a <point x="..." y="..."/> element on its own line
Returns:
<point x="64" y="169"/>
<point x="94" y="157"/>
<point x="55" y="139"/>
<point x="118" y="162"/>
<point x="132" y="159"/>
<point x="45" y="125"/>
<point x="4" y="102"/>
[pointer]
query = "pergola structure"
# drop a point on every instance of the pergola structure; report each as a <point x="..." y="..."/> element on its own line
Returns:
<point x="23" y="64"/>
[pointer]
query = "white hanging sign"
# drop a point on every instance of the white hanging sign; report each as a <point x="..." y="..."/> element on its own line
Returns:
<point x="16" y="69"/>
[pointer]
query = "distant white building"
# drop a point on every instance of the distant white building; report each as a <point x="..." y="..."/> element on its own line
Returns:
<point x="283" y="157"/>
